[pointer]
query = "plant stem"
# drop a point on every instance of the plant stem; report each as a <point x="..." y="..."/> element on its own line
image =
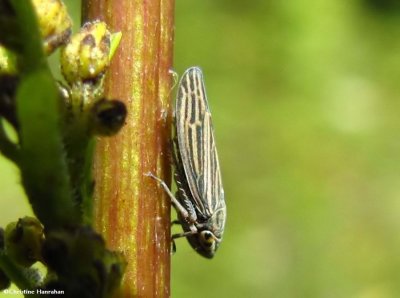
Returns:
<point x="130" y="210"/>
<point x="41" y="155"/>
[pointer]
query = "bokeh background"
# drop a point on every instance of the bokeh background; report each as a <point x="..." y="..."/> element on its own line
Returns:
<point x="305" y="97"/>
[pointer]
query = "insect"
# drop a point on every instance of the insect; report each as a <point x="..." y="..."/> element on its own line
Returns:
<point x="199" y="200"/>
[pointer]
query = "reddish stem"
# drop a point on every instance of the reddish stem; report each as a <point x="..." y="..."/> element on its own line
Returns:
<point x="130" y="210"/>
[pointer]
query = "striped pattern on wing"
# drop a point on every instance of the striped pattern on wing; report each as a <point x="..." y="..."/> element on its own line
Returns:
<point x="197" y="145"/>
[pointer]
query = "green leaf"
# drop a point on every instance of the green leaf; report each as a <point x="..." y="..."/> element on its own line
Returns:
<point x="115" y="40"/>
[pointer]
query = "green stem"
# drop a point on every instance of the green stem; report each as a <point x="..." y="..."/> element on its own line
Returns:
<point x="31" y="42"/>
<point x="42" y="158"/>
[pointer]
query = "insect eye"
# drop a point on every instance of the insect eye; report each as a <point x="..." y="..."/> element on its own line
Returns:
<point x="207" y="237"/>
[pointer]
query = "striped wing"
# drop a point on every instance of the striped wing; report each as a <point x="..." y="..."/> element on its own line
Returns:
<point x="197" y="145"/>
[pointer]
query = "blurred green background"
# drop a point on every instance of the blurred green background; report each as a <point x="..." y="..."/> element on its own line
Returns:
<point x="305" y="98"/>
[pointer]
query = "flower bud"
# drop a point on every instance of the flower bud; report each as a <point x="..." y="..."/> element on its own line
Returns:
<point x="23" y="241"/>
<point x="54" y="23"/>
<point x="86" y="56"/>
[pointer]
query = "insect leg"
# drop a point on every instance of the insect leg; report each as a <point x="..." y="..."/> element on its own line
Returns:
<point x="184" y="234"/>
<point x="175" y="78"/>
<point x="173" y="246"/>
<point x="174" y="201"/>
<point x="175" y="222"/>
<point x="180" y="235"/>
